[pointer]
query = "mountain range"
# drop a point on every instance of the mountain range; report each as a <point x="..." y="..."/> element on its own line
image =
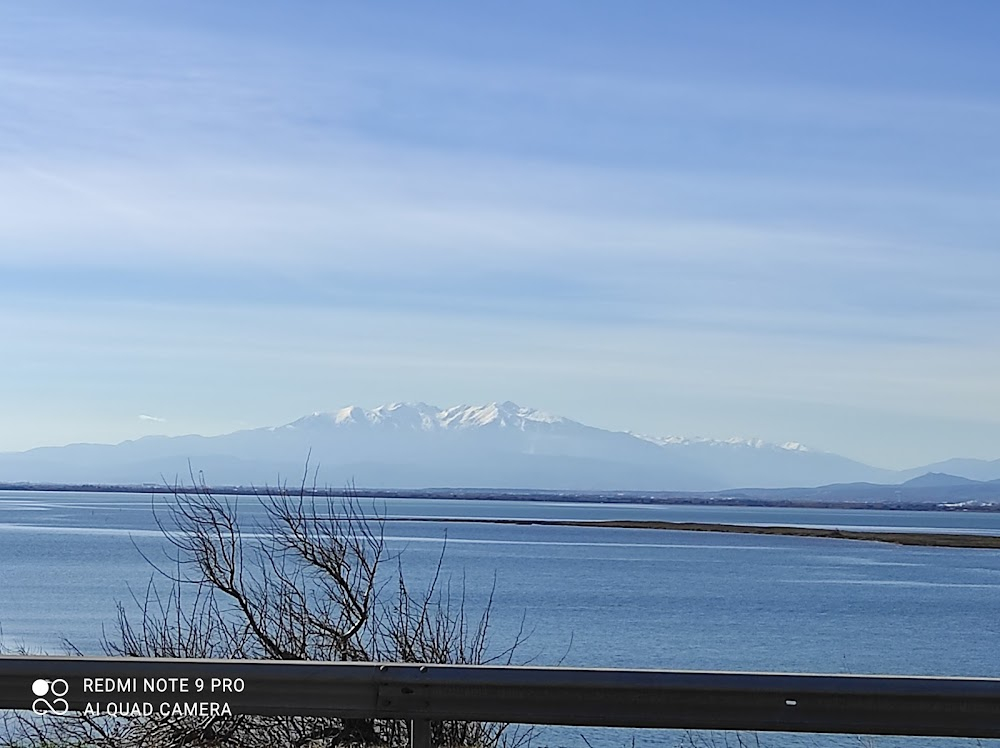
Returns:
<point x="500" y="445"/>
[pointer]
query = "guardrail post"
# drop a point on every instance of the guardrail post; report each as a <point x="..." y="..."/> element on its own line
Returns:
<point x="420" y="733"/>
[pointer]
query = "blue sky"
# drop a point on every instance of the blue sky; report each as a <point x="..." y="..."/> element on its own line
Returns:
<point x="770" y="219"/>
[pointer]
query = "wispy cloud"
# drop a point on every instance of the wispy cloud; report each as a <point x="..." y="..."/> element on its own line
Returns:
<point x="333" y="212"/>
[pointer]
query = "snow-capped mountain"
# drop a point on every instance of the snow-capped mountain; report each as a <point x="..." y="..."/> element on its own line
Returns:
<point x="499" y="445"/>
<point x="421" y="416"/>
<point x="733" y="441"/>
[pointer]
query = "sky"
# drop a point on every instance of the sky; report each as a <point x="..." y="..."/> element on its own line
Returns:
<point x="775" y="219"/>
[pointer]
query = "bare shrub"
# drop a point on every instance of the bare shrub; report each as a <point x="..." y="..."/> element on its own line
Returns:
<point x="311" y="580"/>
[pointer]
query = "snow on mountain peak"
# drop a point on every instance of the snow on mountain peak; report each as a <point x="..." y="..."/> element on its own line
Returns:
<point x="402" y="415"/>
<point x="430" y="417"/>
<point x="465" y="416"/>
<point x="735" y="441"/>
<point x="506" y="415"/>
<point x="350" y="414"/>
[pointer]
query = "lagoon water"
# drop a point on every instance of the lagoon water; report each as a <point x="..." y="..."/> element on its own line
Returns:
<point x="599" y="597"/>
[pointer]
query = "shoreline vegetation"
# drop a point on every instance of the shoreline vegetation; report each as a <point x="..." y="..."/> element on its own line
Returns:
<point x="665" y="498"/>
<point x="941" y="540"/>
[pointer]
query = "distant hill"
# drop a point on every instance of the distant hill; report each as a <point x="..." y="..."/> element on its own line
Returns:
<point x="938" y="480"/>
<point x="983" y="470"/>
<point x="499" y="445"/>
<point x="930" y="488"/>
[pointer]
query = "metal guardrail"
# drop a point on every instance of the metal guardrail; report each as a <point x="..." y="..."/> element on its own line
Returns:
<point x="850" y="704"/>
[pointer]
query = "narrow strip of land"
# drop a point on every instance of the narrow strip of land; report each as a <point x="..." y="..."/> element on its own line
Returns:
<point x="899" y="538"/>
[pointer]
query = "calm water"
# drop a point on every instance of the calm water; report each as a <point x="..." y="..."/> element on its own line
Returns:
<point x="591" y="597"/>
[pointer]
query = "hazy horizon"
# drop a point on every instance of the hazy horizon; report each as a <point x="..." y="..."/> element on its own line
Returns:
<point x="334" y="411"/>
<point x="776" y="221"/>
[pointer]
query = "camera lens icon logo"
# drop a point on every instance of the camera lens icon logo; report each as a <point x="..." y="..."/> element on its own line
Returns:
<point x="50" y="696"/>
